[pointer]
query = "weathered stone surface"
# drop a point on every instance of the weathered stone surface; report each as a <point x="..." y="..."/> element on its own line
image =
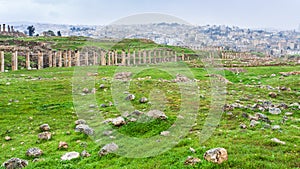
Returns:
<point x="288" y="113"/>
<point x="262" y="117"/>
<point x="157" y="114"/>
<point x="15" y="163"/>
<point x="83" y="128"/>
<point x="85" y="90"/>
<point x="84" y="153"/>
<point x="62" y="144"/>
<point x="119" y="121"/>
<point x="108" y="148"/>
<point x="216" y="155"/>
<point x="143" y="100"/>
<point x="45" y="136"/>
<point x="274" y="111"/>
<point x="275" y="127"/>
<point x="80" y="121"/>
<point x="181" y="78"/>
<point x="102" y="86"/>
<point x="191" y="160"/>
<point x="253" y="123"/>
<point x="165" y="133"/>
<point x="44" y="127"/>
<point x="130" y="97"/>
<point x="123" y="75"/>
<point x="276" y="140"/>
<point x="243" y="126"/>
<point x="7" y="138"/>
<point x="273" y="94"/>
<point x="192" y="150"/>
<point x="34" y="152"/>
<point x="70" y="156"/>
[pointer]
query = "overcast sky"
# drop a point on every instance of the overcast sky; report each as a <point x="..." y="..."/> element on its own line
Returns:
<point x="282" y="14"/>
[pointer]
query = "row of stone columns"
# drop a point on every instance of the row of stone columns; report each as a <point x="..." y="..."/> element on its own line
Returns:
<point x="76" y="58"/>
<point x="229" y="55"/>
<point x="9" y="28"/>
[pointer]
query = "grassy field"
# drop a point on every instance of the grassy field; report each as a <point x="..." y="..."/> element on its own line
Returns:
<point x="31" y="98"/>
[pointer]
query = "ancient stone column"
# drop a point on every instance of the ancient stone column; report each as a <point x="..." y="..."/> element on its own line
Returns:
<point x="149" y="56"/>
<point x="112" y="57"/>
<point x="128" y="58"/>
<point x="27" y="61"/>
<point x="8" y="28"/>
<point x="182" y="56"/>
<point x="1" y="61"/>
<point x="123" y="58"/>
<point x="12" y="29"/>
<point x="159" y="56"/>
<point x="140" y="57"/>
<point x="133" y="58"/>
<point x="3" y="27"/>
<point x="103" y="59"/>
<point x="40" y="60"/>
<point x="54" y="59"/>
<point x="116" y="58"/>
<point x="70" y="58"/>
<point x="175" y="56"/>
<point x="94" y="58"/>
<point x="65" y="58"/>
<point x="86" y="58"/>
<point x="59" y="58"/>
<point x="144" y="56"/>
<point x="77" y="58"/>
<point x="154" y="56"/>
<point x="0" y="28"/>
<point x="50" y="58"/>
<point x="14" y="61"/>
<point x="108" y="57"/>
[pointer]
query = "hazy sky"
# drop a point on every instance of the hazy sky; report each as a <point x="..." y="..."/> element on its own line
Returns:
<point x="244" y="13"/>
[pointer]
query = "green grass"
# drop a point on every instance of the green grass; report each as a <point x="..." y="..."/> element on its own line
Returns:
<point x="46" y="96"/>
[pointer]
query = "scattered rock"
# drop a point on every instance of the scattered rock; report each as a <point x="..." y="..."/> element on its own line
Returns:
<point x="220" y="78"/>
<point x="262" y="117"/>
<point x="34" y="152"/>
<point x="227" y="107"/>
<point x="165" y="133"/>
<point x="130" y="97"/>
<point x="102" y="86"/>
<point x="80" y="121"/>
<point x="15" y="163"/>
<point x="44" y="127"/>
<point x="103" y="105"/>
<point x="84" y="153"/>
<point x="273" y="94"/>
<point x="123" y="75"/>
<point x="108" y="148"/>
<point x="274" y="111"/>
<point x="243" y="126"/>
<point x="143" y="100"/>
<point x="83" y="128"/>
<point x="253" y="123"/>
<point x="276" y="140"/>
<point x="62" y="144"/>
<point x="276" y="127"/>
<point x="93" y="91"/>
<point x="119" y="121"/>
<point x="192" y="150"/>
<point x="181" y="78"/>
<point x="288" y="113"/>
<point x="85" y="90"/>
<point x="216" y="155"/>
<point x="157" y="114"/>
<point x="92" y="106"/>
<point x="289" y="73"/>
<point x="191" y="160"/>
<point x="45" y="136"/>
<point x="7" y="138"/>
<point x="70" y="156"/>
